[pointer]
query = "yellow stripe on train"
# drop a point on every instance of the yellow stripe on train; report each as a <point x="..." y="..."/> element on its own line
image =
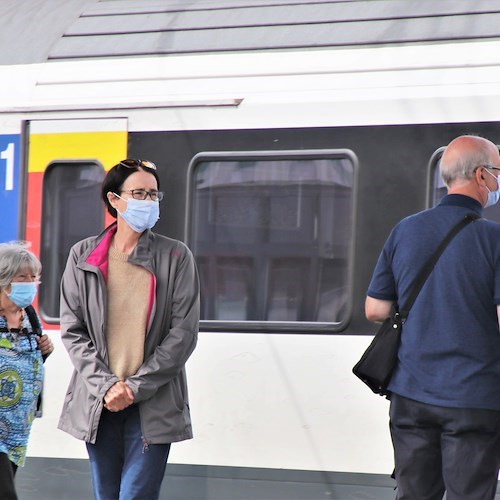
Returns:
<point x="107" y="147"/>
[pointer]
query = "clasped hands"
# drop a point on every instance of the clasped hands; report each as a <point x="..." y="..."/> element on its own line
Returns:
<point x="118" y="397"/>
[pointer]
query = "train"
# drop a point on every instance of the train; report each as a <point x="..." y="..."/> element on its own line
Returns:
<point x="284" y="170"/>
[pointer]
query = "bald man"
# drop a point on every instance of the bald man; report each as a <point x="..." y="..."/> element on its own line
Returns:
<point x="445" y="390"/>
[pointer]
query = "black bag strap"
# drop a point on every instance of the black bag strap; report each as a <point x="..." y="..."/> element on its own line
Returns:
<point x="35" y="324"/>
<point x="37" y="329"/>
<point x="431" y="262"/>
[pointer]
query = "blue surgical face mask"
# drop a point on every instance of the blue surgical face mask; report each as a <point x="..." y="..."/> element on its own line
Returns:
<point x="493" y="196"/>
<point x="23" y="293"/>
<point x="140" y="214"/>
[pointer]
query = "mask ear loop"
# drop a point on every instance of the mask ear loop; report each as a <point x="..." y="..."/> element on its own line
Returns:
<point x="481" y="182"/>
<point x="118" y="196"/>
<point x="497" y="180"/>
<point x="123" y="199"/>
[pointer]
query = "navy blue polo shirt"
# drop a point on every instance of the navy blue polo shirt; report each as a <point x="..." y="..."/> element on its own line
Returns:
<point x="450" y="346"/>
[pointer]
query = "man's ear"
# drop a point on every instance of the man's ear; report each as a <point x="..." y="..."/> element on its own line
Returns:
<point x="479" y="175"/>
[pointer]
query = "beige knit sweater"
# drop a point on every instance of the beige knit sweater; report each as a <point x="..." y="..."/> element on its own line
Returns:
<point x="128" y="301"/>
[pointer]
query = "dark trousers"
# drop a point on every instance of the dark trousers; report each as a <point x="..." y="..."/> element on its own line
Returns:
<point x="7" y="472"/>
<point x="440" y="449"/>
<point x="122" y="466"/>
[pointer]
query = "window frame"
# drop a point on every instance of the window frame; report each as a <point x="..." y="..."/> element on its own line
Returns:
<point x="297" y="327"/>
<point x="434" y="159"/>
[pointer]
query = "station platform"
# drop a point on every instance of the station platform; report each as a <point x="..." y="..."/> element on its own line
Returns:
<point x="49" y="479"/>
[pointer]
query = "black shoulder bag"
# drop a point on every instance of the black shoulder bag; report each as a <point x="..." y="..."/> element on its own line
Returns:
<point x="379" y="360"/>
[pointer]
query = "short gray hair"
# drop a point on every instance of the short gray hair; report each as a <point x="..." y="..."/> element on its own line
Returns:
<point x="463" y="166"/>
<point x="14" y="259"/>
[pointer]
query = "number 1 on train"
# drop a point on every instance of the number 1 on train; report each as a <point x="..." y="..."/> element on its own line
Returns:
<point x="8" y="155"/>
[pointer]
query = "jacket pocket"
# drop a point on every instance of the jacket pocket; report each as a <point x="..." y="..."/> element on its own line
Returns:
<point x="79" y="410"/>
<point x="177" y="394"/>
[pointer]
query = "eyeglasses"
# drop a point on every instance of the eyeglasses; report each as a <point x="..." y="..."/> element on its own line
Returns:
<point x="131" y="163"/>
<point x="490" y="167"/>
<point x="142" y="194"/>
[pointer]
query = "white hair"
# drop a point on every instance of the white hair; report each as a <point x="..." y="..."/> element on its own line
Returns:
<point x="463" y="166"/>
<point x="14" y="259"/>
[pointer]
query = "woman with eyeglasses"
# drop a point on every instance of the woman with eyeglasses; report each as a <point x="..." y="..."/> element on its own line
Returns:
<point x="129" y="320"/>
<point x="23" y="349"/>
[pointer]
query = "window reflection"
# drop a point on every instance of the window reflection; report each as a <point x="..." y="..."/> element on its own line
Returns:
<point x="272" y="237"/>
<point x="286" y="289"/>
<point x="69" y="190"/>
<point x="232" y="297"/>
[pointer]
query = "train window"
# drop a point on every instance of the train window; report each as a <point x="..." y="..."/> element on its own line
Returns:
<point x="437" y="188"/>
<point x="272" y="234"/>
<point x="71" y="211"/>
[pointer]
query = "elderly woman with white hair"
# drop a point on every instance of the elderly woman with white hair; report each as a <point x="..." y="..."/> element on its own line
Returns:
<point x="22" y="351"/>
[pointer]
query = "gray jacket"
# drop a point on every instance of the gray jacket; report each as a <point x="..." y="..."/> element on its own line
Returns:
<point x="159" y="386"/>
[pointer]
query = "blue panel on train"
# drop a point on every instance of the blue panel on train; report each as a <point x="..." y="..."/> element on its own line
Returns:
<point x="9" y="187"/>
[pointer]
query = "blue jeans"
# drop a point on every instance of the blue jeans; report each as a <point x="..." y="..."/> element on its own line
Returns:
<point x="122" y="466"/>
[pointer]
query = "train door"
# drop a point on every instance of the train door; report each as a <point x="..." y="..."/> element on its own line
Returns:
<point x="66" y="163"/>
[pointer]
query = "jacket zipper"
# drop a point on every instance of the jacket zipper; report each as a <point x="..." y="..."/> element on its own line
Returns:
<point x="145" y="445"/>
<point x="92" y="419"/>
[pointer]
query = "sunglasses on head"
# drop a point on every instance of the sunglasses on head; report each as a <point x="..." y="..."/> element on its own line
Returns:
<point x="131" y="163"/>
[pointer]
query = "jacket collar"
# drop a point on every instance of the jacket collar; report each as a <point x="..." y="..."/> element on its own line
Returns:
<point x="96" y="255"/>
<point x="464" y="201"/>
